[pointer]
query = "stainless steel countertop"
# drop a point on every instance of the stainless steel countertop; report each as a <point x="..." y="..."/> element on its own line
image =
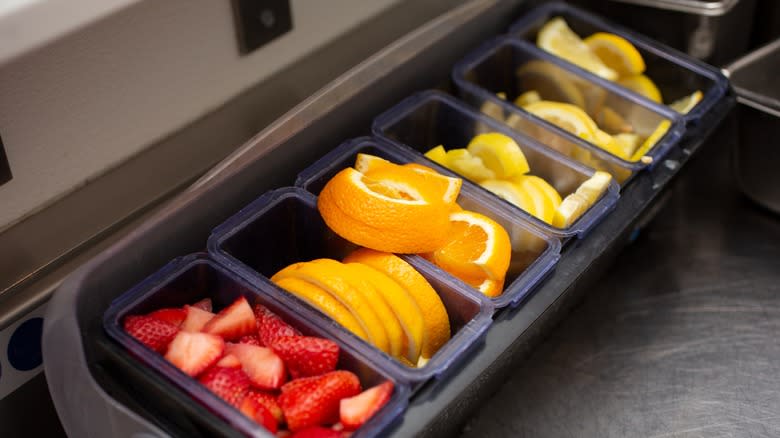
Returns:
<point x="681" y="337"/>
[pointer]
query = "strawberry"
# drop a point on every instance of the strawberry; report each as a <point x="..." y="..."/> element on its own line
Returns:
<point x="262" y="365"/>
<point x="152" y="332"/>
<point x="196" y="319"/>
<point x="259" y="413"/>
<point x="270" y="326"/>
<point x="268" y="400"/>
<point x="229" y="361"/>
<point x="193" y="353"/>
<point x="229" y="384"/>
<point x="355" y="411"/>
<point x="171" y="315"/>
<point x="316" y="432"/>
<point x="316" y="401"/>
<point x="306" y="356"/>
<point x="251" y="340"/>
<point x="204" y="304"/>
<point x="233" y="322"/>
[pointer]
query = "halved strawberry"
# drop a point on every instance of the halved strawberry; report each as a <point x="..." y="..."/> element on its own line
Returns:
<point x="270" y="326"/>
<point x="306" y="356"/>
<point x="251" y="340"/>
<point x="152" y="332"/>
<point x="229" y="384"/>
<point x="233" y="322"/>
<point x="204" y="304"/>
<point x="355" y="411"/>
<point x="259" y="413"/>
<point x="194" y="352"/>
<point x="262" y="365"/>
<point x="229" y="361"/>
<point x="171" y="315"/>
<point x="316" y="432"/>
<point x="196" y="319"/>
<point x="316" y="402"/>
<point x="268" y="400"/>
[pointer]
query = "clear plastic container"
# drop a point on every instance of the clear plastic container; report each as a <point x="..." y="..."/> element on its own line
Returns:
<point x="284" y="226"/>
<point x="189" y="279"/>
<point x="431" y="118"/>
<point x="534" y="254"/>
<point x="676" y="74"/>
<point x="497" y="66"/>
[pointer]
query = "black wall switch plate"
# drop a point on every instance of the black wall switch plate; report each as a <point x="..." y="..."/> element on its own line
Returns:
<point x="260" y="21"/>
<point x="5" y="168"/>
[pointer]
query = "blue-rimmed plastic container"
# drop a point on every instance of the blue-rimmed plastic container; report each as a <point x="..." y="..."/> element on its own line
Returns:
<point x="189" y="279"/>
<point x="534" y="254"/>
<point x="676" y="74"/>
<point x="495" y="67"/>
<point x="432" y="118"/>
<point x="284" y="226"/>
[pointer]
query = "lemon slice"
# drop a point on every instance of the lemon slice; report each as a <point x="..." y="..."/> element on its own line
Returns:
<point x="572" y="207"/>
<point x="461" y="161"/>
<point x="557" y="38"/>
<point x="544" y="208"/>
<point x="565" y="116"/>
<point x="613" y="122"/>
<point x="594" y="186"/>
<point x="527" y="98"/>
<point x="641" y="84"/>
<point x="492" y="109"/>
<point x="684" y="105"/>
<point x="545" y="187"/>
<point x="512" y="193"/>
<point x="499" y="153"/>
<point x="549" y="82"/>
<point x="648" y="144"/>
<point x="628" y="143"/>
<point x="438" y="155"/>
<point x="616" y="53"/>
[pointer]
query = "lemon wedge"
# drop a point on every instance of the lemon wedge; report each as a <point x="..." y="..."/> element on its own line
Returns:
<point x="544" y="208"/>
<point x="557" y="38"/>
<point x="461" y="161"/>
<point x="565" y="116"/>
<point x="499" y="153"/>
<point x="684" y="105"/>
<point x="437" y="155"/>
<point x="594" y="186"/>
<point x="641" y="84"/>
<point x="512" y="193"/>
<point x="648" y="144"/>
<point x="616" y="53"/>
<point x="549" y="82"/>
<point x="628" y="143"/>
<point x="572" y="207"/>
<point x="492" y="109"/>
<point x="545" y="187"/>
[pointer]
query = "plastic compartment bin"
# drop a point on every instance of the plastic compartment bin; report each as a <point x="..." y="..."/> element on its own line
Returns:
<point x="493" y="68"/>
<point x="283" y="226"/>
<point x="194" y="277"/>
<point x="431" y="118"/>
<point x="676" y="74"/>
<point x="534" y="254"/>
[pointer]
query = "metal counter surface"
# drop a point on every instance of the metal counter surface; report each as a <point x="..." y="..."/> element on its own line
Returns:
<point x="680" y="338"/>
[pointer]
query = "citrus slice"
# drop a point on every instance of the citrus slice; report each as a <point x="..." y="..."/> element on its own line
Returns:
<point x="628" y="143"/>
<point x="511" y="193"/>
<point x="616" y="53"/>
<point x="499" y="153"/>
<point x="437" y="155"/>
<point x="461" y="161"/>
<point x="641" y="84"/>
<point x="437" y="323"/>
<point x="686" y="104"/>
<point x="378" y="214"/>
<point x="566" y="116"/>
<point x="433" y="186"/>
<point x="572" y="207"/>
<point x="544" y="201"/>
<point x="612" y="122"/>
<point x="491" y="288"/>
<point x="557" y="38"/>
<point x="492" y="109"/>
<point x="545" y="187"/>
<point x="341" y="290"/>
<point x="527" y="98"/>
<point x="648" y="144"/>
<point x="357" y="279"/>
<point x="402" y="304"/>
<point x="325" y="302"/>
<point x="548" y="82"/>
<point x="479" y="247"/>
<point x="592" y="188"/>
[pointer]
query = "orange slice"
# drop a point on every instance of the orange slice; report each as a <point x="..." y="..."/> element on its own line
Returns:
<point x="391" y="216"/>
<point x="437" y="322"/>
<point x="432" y="185"/>
<point x="491" y="288"/>
<point x="479" y="247"/>
<point x="325" y="302"/>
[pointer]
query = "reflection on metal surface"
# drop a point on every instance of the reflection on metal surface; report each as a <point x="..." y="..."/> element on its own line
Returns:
<point x="697" y="7"/>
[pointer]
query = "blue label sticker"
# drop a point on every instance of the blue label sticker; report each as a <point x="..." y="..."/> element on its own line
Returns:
<point x="24" y="347"/>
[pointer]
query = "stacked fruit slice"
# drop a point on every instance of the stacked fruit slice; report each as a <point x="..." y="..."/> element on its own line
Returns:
<point x="244" y="355"/>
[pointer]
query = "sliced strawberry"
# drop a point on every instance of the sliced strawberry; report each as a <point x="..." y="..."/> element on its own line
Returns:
<point x="233" y="322"/>
<point x="171" y="315"/>
<point x="268" y="400"/>
<point x="355" y="411"/>
<point x="259" y="413"/>
<point x="316" y="402"/>
<point x="316" y="432"/>
<point x="262" y="365"/>
<point x="196" y="319"/>
<point x="251" y="340"/>
<point x="229" y="384"/>
<point x="270" y="326"/>
<point x="229" y="361"/>
<point x="152" y="332"/>
<point x="194" y="352"/>
<point x="204" y="304"/>
<point x="306" y="356"/>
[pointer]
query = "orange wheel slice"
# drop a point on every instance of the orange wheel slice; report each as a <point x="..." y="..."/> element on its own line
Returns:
<point x="431" y="184"/>
<point x="491" y="288"/>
